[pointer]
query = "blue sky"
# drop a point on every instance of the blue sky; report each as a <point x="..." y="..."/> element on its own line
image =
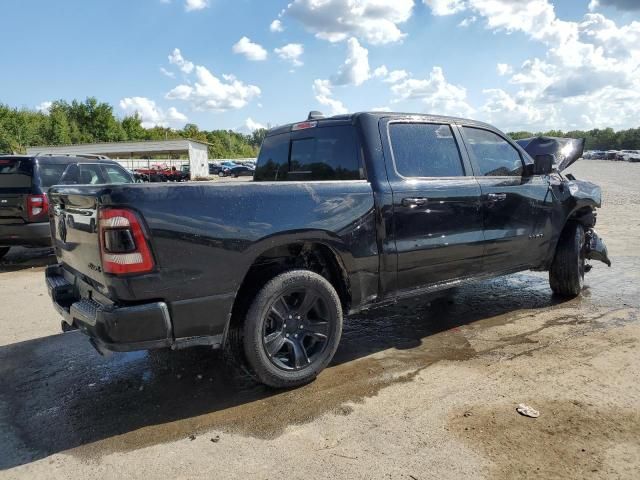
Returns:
<point x="521" y="64"/>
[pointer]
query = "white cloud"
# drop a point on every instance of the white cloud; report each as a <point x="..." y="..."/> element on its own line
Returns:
<point x="396" y="76"/>
<point x="210" y="93"/>
<point x="445" y="7"/>
<point x="380" y="109"/>
<point x="355" y="69"/>
<point x="586" y="63"/>
<point x="44" y="107"/>
<point x="504" y="69"/>
<point x="252" y="51"/>
<point x="150" y="114"/>
<point x="192" y="5"/>
<point x="322" y="90"/>
<point x="176" y="58"/>
<point x="381" y="71"/>
<point x="250" y="126"/>
<point x="167" y="73"/>
<point x="468" y="21"/>
<point x="373" y="21"/>
<point x="291" y="53"/>
<point x="438" y="95"/>
<point x="393" y="76"/>
<point x="276" y="26"/>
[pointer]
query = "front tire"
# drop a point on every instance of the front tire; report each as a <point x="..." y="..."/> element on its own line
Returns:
<point x="292" y="329"/>
<point x="566" y="275"/>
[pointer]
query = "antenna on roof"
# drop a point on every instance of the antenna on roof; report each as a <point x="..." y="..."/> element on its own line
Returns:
<point x="315" y="115"/>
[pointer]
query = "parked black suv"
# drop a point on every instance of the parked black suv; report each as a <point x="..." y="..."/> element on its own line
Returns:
<point x="24" y="181"/>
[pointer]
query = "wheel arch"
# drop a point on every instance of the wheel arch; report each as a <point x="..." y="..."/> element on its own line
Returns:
<point x="311" y="250"/>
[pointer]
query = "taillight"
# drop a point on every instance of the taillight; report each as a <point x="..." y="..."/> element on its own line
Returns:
<point x="123" y="245"/>
<point x="37" y="207"/>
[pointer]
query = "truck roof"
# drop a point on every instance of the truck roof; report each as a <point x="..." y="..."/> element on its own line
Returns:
<point x="351" y="118"/>
<point x="61" y="158"/>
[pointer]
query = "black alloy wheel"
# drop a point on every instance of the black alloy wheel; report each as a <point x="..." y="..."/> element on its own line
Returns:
<point x="296" y="329"/>
<point x="292" y="329"/>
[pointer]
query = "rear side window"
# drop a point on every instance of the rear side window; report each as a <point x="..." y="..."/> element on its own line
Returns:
<point x="273" y="161"/>
<point x="15" y="173"/>
<point x="328" y="153"/>
<point x="90" y="174"/>
<point x="494" y="156"/>
<point x="323" y="153"/>
<point x="50" y="173"/>
<point x="425" y="150"/>
<point x="116" y="174"/>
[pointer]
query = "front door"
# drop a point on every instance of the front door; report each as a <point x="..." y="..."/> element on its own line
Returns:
<point x="516" y="210"/>
<point x="437" y="222"/>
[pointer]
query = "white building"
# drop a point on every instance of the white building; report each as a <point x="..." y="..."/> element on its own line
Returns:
<point x="126" y="151"/>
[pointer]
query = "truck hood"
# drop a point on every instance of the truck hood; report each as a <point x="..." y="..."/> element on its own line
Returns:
<point x="566" y="150"/>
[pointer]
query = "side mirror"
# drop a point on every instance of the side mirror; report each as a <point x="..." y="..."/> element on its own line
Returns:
<point x="542" y="165"/>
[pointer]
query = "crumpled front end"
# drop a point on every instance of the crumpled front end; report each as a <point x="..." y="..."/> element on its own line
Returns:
<point x="595" y="248"/>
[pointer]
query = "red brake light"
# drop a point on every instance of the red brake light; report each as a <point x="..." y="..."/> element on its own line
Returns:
<point x="303" y="125"/>
<point x="37" y="207"/>
<point x="120" y="255"/>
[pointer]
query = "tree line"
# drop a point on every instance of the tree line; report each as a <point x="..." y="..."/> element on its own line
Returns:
<point x="91" y="121"/>
<point x="596" y="139"/>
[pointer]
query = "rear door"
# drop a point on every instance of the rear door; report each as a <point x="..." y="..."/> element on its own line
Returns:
<point x="516" y="209"/>
<point x="16" y="183"/>
<point x="437" y="224"/>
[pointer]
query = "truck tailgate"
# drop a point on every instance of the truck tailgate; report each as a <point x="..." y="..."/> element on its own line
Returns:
<point x="74" y="218"/>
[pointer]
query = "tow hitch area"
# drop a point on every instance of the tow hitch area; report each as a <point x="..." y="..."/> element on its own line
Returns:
<point x="596" y="248"/>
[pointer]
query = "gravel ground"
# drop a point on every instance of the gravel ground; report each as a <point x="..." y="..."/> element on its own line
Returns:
<point x="426" y="389"/>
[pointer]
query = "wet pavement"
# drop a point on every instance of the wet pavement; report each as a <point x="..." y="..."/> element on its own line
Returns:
<point x="58" y="396"/>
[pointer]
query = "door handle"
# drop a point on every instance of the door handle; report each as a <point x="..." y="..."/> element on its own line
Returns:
<point x="497" y="197"/>
<point x="414" y="201"/>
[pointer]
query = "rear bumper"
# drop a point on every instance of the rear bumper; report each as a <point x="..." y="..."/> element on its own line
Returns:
<point x="110" y="327"/>
<point x="25" y="235"/>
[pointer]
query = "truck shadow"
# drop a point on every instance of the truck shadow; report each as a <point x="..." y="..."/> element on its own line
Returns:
<point x="20" y="258"/>
<point x="58" y="395"/>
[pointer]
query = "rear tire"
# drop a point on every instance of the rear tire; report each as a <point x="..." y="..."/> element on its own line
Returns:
<point x="4" y="251"/>
<point x="292" y="329"/>
<point x="566" y="275"/>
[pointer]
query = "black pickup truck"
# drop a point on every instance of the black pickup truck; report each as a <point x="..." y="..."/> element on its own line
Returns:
<point x="343" y="214"/>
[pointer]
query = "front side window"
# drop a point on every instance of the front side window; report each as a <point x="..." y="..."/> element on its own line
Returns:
<point x="425" y="150"/>
<point x="495" y="157"/>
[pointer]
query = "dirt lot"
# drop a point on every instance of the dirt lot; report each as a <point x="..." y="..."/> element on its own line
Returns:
<point x="420" y="390"/>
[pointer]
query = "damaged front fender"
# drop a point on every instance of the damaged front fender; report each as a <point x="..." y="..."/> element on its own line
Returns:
<point x="595" y="247"/>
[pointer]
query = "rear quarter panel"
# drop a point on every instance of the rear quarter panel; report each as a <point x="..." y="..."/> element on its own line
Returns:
<point x="206" y="236"/>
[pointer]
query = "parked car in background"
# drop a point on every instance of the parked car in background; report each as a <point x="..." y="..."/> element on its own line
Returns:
<point x="24" y="181"/>
<point x="343" y="214"/>
<point x="629" y="155"/>
<point x="237" y="171"/>
<point x="161" y="173"/>
<point x="214" y="168"/>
